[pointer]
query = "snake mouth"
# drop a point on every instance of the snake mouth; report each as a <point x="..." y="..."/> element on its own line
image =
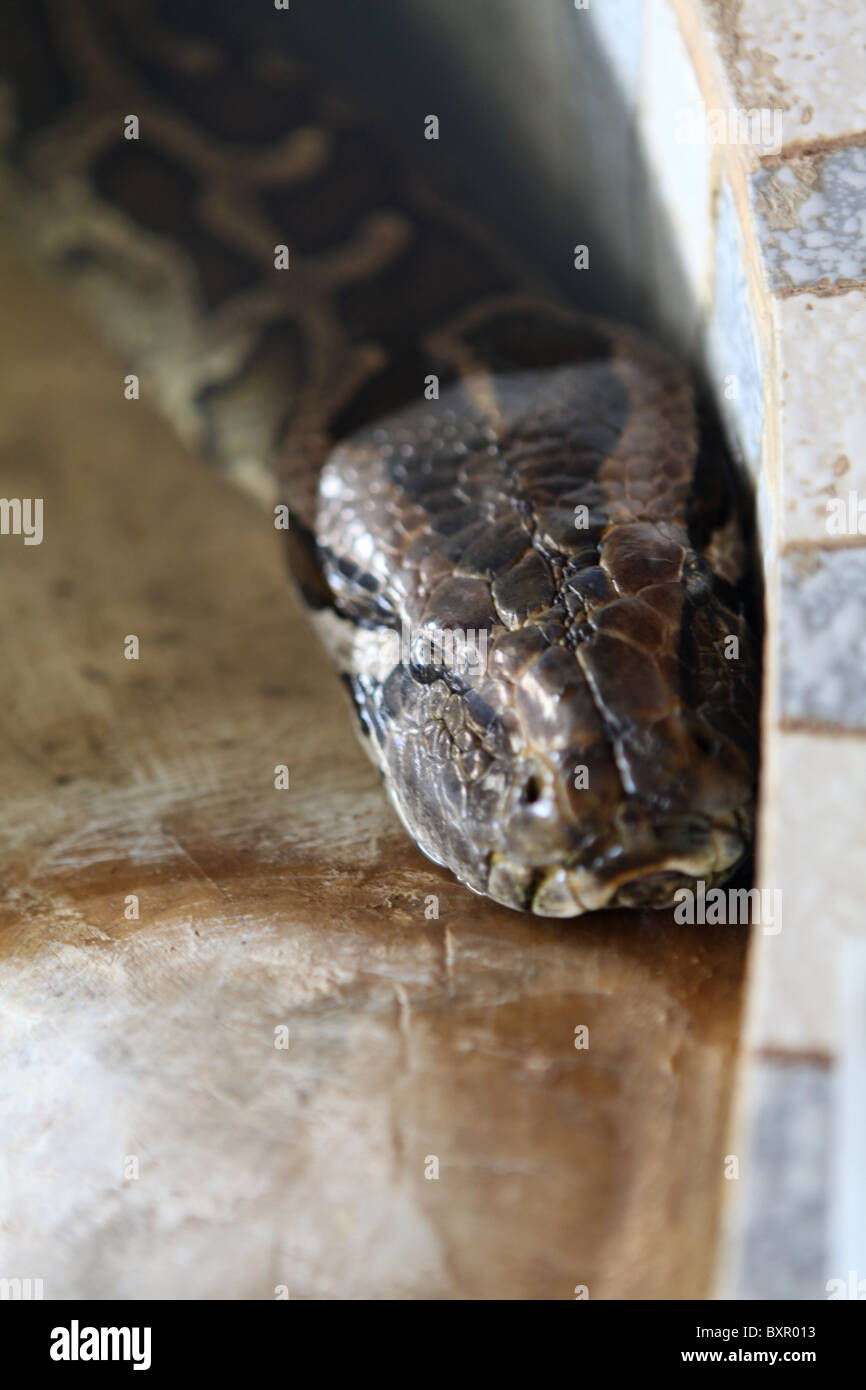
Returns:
<point x="617" y="880"/>
<point x="651" y="890"/>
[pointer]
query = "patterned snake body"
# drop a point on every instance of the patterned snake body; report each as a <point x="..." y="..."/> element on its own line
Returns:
<point x="532" y="582"/>
<point x="578" y="742"/>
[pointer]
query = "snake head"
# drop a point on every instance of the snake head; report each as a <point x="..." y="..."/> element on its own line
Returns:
<point x="556" y="683"/>
<point x="568" y="779"/>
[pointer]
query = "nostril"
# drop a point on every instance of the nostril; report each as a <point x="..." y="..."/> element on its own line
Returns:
<point x="630" y="817"/>
<point x="706" y="744"/>
<point x="531" y="791"/>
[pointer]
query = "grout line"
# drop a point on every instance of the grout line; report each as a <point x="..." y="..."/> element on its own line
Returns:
<point x="826" y="545"/>
<point x="810" y="149"/>
<point x="821" y="289"/>
<point x="802" y="724"/>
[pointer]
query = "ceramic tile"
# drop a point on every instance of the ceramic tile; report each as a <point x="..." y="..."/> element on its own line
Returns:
<point x="732" y="348"/>
<point x="778" y="1245"/>
<point x="847" y="1224"/>
<point x="823" y="636"/>
<point x="823" y="412"/>
<point x="816" y="854"/>
<point x="804" y="57"/>
<point x="811" y="220"/>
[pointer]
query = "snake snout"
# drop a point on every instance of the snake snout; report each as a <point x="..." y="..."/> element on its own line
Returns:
<point x="534" y="829"/>
<point x="650" y="890"/>
<point x="659" y="854"/>
<point x="642" y="862"/>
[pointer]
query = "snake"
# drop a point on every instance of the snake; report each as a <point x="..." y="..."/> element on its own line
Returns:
<point x="511" y="523"/>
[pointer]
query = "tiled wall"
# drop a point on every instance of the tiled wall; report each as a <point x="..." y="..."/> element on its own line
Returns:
<point x="786" y="317"/>
<point x="800" y="212"/>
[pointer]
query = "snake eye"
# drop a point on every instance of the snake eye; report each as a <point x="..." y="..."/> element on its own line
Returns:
<point x="698" y="578"/>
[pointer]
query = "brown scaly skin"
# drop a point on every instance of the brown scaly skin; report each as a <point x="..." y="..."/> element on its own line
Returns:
<point x="606" y="752"/>
<point x="603" y="754"/>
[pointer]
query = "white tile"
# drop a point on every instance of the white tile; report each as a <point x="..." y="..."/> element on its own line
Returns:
<point x="823" y="408"/>
<point x="805" y="57"/>
<point x="813" y="848"/>
<point x="731" y="339"/>
<point x="848" y="1191"/>
<point x="821" y="639"/>
<point x="810" y="215"/>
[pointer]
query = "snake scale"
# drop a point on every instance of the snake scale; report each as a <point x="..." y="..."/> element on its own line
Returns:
<point x="507" y="522"/>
